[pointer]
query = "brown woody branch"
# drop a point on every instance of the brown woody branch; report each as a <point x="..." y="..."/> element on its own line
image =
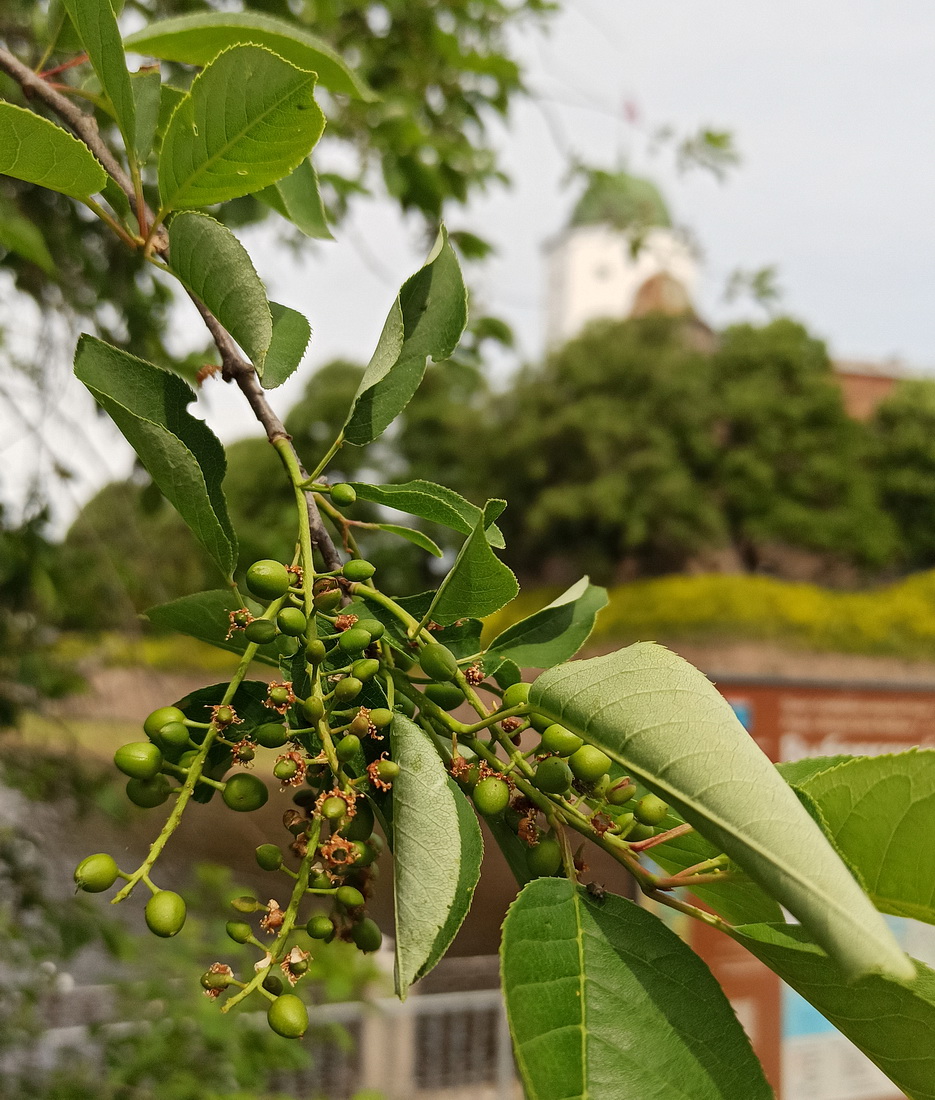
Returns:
<point x="234" y="367"/>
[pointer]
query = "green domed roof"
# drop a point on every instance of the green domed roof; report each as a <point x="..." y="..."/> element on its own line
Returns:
<point x="622" y="201"/>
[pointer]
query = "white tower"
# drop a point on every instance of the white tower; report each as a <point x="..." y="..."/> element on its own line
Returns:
<point x="619" y="239"/>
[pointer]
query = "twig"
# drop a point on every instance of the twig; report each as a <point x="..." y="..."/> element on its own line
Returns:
<point x="234" y="367"/>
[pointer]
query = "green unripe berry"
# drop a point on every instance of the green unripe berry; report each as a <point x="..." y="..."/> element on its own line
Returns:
<point x="165" y="914"/>
<point x="272" y="983"/>
<point x="320" y="881"/>
<point x="357" y="569"/>
<point x="367" y="935"/>
<point x="359" y="726"/>
<point x="374" y="627"/>
<point x="315" y="651"/>
<point x="347" y="748"/>
<point x="313" y="708"/>
<point x="387" y="770"/>
<point x="361" y="824"/>
<point x="288" y="1016"/>
<point x="621" y="793"/>
<point x="139" y="760"/>
<point x="650" y="810"/>
<point x="148" y="793"/>
<point x="559" y="740"/>
<point x="640" y="831"/>
<point x="96" y="873"/>
<point x="247" y="904"/>
<point x="515" y="695"/>
<point x="347" y="689"/>
<point x="284" y="770"/>
<point x="211" y="980"/>
<point x="319" y="926"/>
<point x="279" y="695"/>
<point x="589" y="764"/>
<point x="260" y="632"/>
<point x="350" y="897"/>
<point x="539" y="722"/>
<point x="545" y="858"/>
<point x="438" y="662"/>
<point x="173" y="735"/>
<point x="446" y="696"/>
<point x="243" y="793"/>
<point x="333" y="808"/>
<point x="188" y="758"/>
<point x="405" y="705"/>
<point x="365" y="669"/>
<point x="381" y="717"/>
<point x="292" y="621"/>
<point x="224" y="715"/>
<point x="552" y="775"/>
<point x="491" y="796"/>
<point x="364" y="855"/>
<point x="238" y="930"/>
<point x="327" y="599"/>
<point x="271" y="735"/>
<point x="623" y="825"/>
<point x="343" y="494"/>
<point x="162" y="717"/>
<point x="268" y="579"/>
<point x="354" y="640"/>
<point x="269" y="856"/>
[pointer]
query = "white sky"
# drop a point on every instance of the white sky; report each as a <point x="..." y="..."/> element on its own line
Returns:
<point x="831" y="107"/>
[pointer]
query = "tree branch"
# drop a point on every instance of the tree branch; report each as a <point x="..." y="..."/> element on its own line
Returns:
<point x="234" y="367"/>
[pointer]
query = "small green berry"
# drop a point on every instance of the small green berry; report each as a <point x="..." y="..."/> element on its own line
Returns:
<point x="515" y="695"/>
<point x="320" y="881"/>
<point x="139" y="760"/>
<point x="96" y="873"/>
<point x="247" y="904"/>
<point x="446" y="696"/>
<point x="212" y="980"/>
<point x="260" y="632"/>
<point x="546" y="858"/>
<point x="238" y="930"/>
<point x="165" y="913"/>
<point x="349" y="897"/>
<point x="148" y="793"/>
<point x="347" y="748"/>
<point x="640" y="831"/>
<point x="327" y="599"/>
<point x="243" y="792"/>
<point x="268" y="579"/>
<point x="319" y="926"/>
<point x="589" y="764"/>
<point x="284" y="770"/>
<point x="367" y="935"/>
<point x="272" y="983"/>
<point x="365" y="669"/>
<point x="359" y="725"/>
<point x="387" y="770"/>
<point x="347" y="689"/>
<point x="354" y="640"/>
<point x="438" y="662"/>
<point x="315" y="651"/>
<point x="292" y="621"/>
<point x="313" y="708"/>
<point x="288" y="1016"/>
<point x="621" y="793"/>
<point x="552" y="775"/>
<point x="173" y="735"/>
<point x="269" y="856"/>
<point x="271" y="735"/>
<point x="343" y="494"/>
<point x="333" y="808"/>
<point x="381" y="717"/>
<point x="559" y="740"/>
<point x="491" y="796"/>
<point x="650" y="810"/>
<point x="279" y="695"/>
<point x="539" y="722"/>
<point x="361" y="824"/>
<point x="162" y="717"/>
<point x="374" y="627"/>
<point x="357" y="569"/>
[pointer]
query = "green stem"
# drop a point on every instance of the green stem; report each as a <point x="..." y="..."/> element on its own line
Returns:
<point x="331" y="452"/>
<point x="288" y="923"/>
<point x="188" y="787"/>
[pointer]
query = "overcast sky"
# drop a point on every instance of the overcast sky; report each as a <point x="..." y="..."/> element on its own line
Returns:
<point x="831" y="107"/>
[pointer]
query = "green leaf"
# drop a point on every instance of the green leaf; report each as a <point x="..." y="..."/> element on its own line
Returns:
<point x="877" y="809"/>
<point x="436" y="856"/>
<point x="507" y="673"/>
<point x="479" y="583"/>
<point x="426" y="320"/>
<point x="147" y="96"/>
<point x="554" y="634"/>
<point x="169" y="99"/>
<point x="418" y="538"/>
<point x="605" y="1001"/>
<point x="37" y="151"/>
<point x="210" y="261"/>
<point x="249" y="119"/>
<point x="182" y="454"/>
<point x="18" y="234"/>
<point x="197" y="39"/>
<point x="206" y="616"/>
<point x="248" y="701"/>
<point x="427" y="500"/>
<point x="797" y="771"/>
<point x="298" y="199"/>
<point x="893" y="1023"/>
<point x="667" y="725"/>
<point x="291" y="334"/>
<point x="96" y="24"/>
